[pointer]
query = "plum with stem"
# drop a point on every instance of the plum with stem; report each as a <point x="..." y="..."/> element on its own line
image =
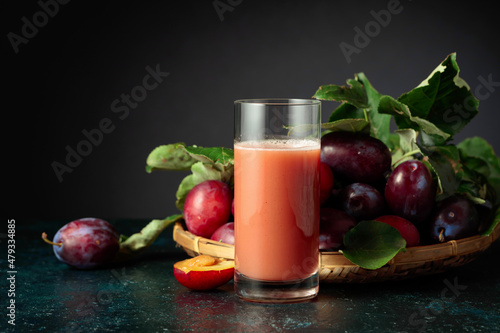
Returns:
<point x="85" y="243"/>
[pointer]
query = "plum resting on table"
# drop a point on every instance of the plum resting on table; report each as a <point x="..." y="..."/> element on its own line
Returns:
<point x="85" y="243"/>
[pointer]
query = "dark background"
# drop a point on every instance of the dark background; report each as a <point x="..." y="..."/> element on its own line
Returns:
<point x="66" y="77"/>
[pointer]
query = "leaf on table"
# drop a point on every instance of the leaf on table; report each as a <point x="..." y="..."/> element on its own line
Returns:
<point x="169" y="157"/>
<point x="139" y="241"/>
<point x="372" y="244"/>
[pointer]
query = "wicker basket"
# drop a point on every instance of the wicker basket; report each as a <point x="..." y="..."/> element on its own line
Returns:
<point x="335" y="268"/>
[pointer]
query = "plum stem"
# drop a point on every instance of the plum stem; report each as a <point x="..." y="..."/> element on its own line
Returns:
<point x="441" y="235"/>
<point x="365" y="113"/>
<point x="410" y="153"/>
<point x="44" y="237"/>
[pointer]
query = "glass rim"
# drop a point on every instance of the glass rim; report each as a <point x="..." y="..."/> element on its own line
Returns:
<point x="278" y="101"/>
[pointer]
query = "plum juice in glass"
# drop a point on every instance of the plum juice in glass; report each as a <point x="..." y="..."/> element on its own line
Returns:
<point x="276" y="193"/>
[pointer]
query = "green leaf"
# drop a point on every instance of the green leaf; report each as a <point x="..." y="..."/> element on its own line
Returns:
<point x="494" y="224"/>
<point x="407" y="140"/>
<point x="379" y="123"/>
<point x="372" y="244"/>
<point x="475" y="180"/>
<point x="360" y="101"/>
<point x="138" y="242"/>
<point x="221" y="157"/>
<point x="445" y="162"/>
<point x="355" y="94"/>
<point x="169" y="157"/>
<point x="479" y="158"/>
<point x="444" y="99"/>
<point x="212" y="163"/>
<point x="401" y="111"/>
<point x="406" y="147"/>
<point x="200" y="172"/>
<point x="347" y="111"/>
<point x="475" y="166"/>
<point x="474" y="191"/>
<point x="346" y="125"/>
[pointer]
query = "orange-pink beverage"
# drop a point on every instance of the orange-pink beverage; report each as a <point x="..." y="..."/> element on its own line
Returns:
<point x="277" y="209"/>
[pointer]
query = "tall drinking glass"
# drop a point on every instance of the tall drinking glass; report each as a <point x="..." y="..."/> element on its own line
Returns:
<point x="276" y="199"/>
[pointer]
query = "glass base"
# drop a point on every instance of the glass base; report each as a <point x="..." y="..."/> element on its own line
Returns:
<point x="276" y="291"/>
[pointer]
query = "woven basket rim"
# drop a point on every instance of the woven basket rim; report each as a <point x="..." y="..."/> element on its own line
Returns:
<point x="195" y="245"/>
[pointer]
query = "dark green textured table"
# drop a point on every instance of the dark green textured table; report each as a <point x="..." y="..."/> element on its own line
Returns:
<point x="142" y="295"/>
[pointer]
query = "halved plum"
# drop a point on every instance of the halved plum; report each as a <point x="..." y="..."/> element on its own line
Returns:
<point x="203" y="272"/>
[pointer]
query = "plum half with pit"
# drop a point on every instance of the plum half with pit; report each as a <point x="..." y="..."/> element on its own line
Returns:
<point x="85" y="243"/>
<point x="203" y="272"/>
<point x="207" y="207"/>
